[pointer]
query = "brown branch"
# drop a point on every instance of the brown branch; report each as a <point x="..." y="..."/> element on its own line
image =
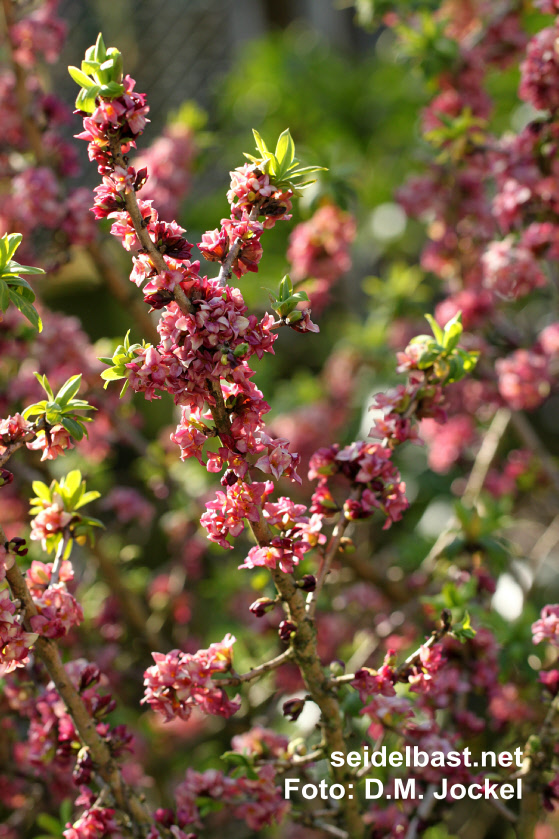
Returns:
<point x="304" y="643"/>
<point x="480" y="469"/>
<point x="155" y="255"/>
<point x="23" y="98"/>
<point x="257" y="672"/>
<point x="13" y="447"/>
<point x="133" y="609"/>
<point x="100" y="753"/>
<point x="530" y="438"/>
<point x="226" y="269"/>
<point x="305" y="652"/>
<point x="401" y="673"/>
<point x="328" y="558"/>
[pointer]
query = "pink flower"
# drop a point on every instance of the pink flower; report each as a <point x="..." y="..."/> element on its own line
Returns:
<point x="524" y="379"/>
<point x="52" y="442"/>
<point x="96" y="823"/>
<point x="547" y="627"/>
<point x="52" y="519"/>
<point x="549" y="340"/>
<point x="539" y="83"/>
<point x="179" y="682"/>
<point x="511" y="270"/>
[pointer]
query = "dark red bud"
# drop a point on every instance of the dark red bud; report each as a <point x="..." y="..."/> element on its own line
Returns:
<point x="6" y="477"/>
<point x="261" y="606"/>
<point x="293" y="708"/>
<point x="286" y="630"/>
<point x="307" y="582"/>
<point x="17" y="546"/>
<point x="229" y="479"/>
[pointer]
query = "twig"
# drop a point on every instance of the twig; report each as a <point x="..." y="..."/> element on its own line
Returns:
<point x="332" y="829"/>
<point x="225" y="271"/>
<point x="304" y="643"/>
<point x="23" y="98"/>
<point x="423" y="812"/>
<point x="402" y="671"/>
<point x="530" y="438"/>
<point x="305" y="651"/>
<point x="327" y="559"/>
<point x="478" y="475"/>
<point x="131" y="202"/>
<point x="100" y="753"/>
<point x="485" y="456"/>
<point x="257" y="672"/>
<point x="13" y="447"/>
<point x="58" y="559"/>
<point x="133" y="609"/>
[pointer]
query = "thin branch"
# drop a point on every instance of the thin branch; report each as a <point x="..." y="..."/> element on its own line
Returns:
<point x="225" y="271"/>
<point x="155" y="255"/>
<point x="304" y="646"/>
<point x="478" y="475"/>
<point x="13" y="447"/>
<point x="133" y="609"/>
<point x="402" y="671"/>
<point x="326" y="561"/>
<point x="100" y="753"/>
<point x="23" y="98"/>
<point x="423" y="812"/>
<point x="61" y="550"/>
<point x="531" y="439"/>
<point x="485" y="456"/>
<point x="257" y="672"/>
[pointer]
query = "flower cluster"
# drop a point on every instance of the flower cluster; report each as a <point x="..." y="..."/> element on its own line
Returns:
<point x="179" y="682"/>
<point x="547" y="627"/>
<point x="256" y="800"/>
<point x="58" y="610"/>
<point x="369" y="469"/>
<point x="94" y="823"/>
<point x="294" y="533"/>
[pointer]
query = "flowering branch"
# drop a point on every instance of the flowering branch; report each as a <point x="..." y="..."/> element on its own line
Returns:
<point x="100" y="753"/>
<point x="227" y="266"/>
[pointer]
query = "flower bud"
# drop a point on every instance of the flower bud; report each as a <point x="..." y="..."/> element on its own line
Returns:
<point x="17" y="546"/>
<point x="241" y="350"/>
<point x="346" y="545"/>
<point x="293" y="708"/>
<point x="295" y="316"/>
<point x="337" y="667"/>
<point x="6" y="477"/>
<point x="286" y="630"/>
<point x="261" y="606"/>
<point x="307" y="582"/>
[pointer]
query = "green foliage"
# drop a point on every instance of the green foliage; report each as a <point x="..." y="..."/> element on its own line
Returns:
<point x="424" y="43"/>
<point x="100" y="75"/>
<point x="123" y="355"/>
<point x="13" y="288"/>
<point x="457" y="135"/>
<point x="69" y="494"/>
<point x="464" y="630"/>
<point x="61" y="409"/>
<point x="282" y="166"/>
<point x="450" y="364"/>
<point x="287" y="300"/>
<point x="55" y="826"/>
